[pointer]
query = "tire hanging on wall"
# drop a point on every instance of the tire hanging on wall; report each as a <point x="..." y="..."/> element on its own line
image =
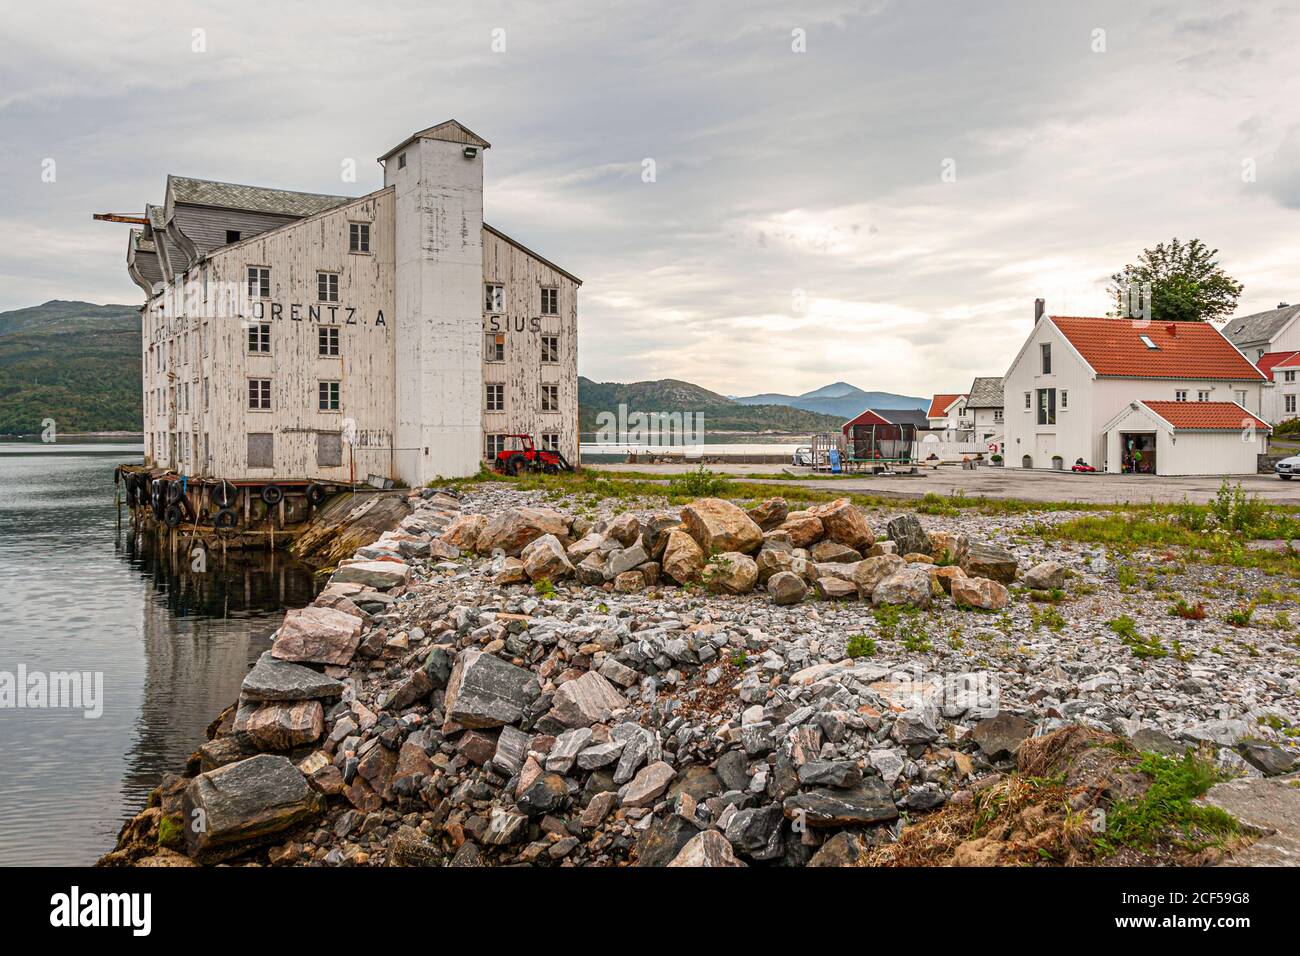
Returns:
<point x="224" y="494"/>
<point x="158" y="497"/>
<point x="175" y="491"/>
<point x="272" y="495"/>
<point x="227" y="519"/>
<point x="316" y="494"/>
<point x="174" y="515"/>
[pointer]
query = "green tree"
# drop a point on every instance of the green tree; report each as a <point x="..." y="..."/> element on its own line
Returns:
<point x="1185" y="280"/>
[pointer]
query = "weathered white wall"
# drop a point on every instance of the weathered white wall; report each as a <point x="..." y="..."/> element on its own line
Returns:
<point x="439" y="304"/>
<point x="1182" y="452"/>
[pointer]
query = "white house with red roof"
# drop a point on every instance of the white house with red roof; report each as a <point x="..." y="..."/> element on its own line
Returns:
<point x="947" y="414"/>
<point x="1282" y="393"/>
<point x="1124" y="395"/>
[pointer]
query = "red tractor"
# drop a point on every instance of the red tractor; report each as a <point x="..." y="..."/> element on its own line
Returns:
<point x="527" y="457"/>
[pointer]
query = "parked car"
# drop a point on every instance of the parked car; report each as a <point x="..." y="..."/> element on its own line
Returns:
<point x="1288" y="467"/>
<point x="803" y="455"/>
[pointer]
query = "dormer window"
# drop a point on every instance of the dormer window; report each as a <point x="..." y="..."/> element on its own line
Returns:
<point x="1146" y="340"/>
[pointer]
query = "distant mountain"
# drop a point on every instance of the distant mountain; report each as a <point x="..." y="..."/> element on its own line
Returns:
<point x="720" y="413"/>
<point x="74" y="362"/>
<point x="839" y="399"/>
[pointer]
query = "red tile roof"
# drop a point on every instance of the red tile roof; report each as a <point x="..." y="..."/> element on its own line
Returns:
<point x="1272" y="360"/>
<point x="1183" y="349"/>
<point x="939" y="404"/>
<point x="1206" y="415"/>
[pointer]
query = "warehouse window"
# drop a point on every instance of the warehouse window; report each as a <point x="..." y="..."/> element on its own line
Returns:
<point x="259" y="394"/>
<point x="261" y="450"/>
<point x="493" y="445"/>
<point x="496" y="398"/>
<point x="551" y="441"/>
<point x="358" y="237"/>
<point x="329" y="449"/>
<point x="494" y="298"/>
<point x="259" y="337"/>
<point x="550" y="398"/>
<point x="550" y="301"/>
<point x="327" y="339"/>
<point x="550" y="348"/>
<point x="1240" y="397"/>
<point x="232" y="235"/>
<point x="495" y="348"/>
<point x="259" y="282"/>
<point x="329" y="396"/>
<point x="401" y="160"/>
<point x="327" y="286"/>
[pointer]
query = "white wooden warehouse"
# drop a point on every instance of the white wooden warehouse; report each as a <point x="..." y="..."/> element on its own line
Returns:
<point x="300" y="337"/>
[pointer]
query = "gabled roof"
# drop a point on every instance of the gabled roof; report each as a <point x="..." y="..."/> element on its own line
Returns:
<point x="1115" y="347"/>
<point x="889" y="416"/>
<point x="985" y="392"/>
<point x="1205" y="416"/>
<point x="526" y="251"/>
<point x="276" y="202"/>
<point x="1275" y="360"/>
<point x="940" y="404"/>
<point x="1260" y="327"/>
<point x="450" y="131"/>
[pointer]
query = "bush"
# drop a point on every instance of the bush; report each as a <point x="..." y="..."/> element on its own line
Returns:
<point x="1189" y="612"/>
<point x="1237" y="511"/>
<point x="700" y="483"/>
<point x="860" y="645"/>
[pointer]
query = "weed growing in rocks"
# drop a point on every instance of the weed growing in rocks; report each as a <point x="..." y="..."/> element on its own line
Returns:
<point x="1240" y="616"/>
<point x="1169" y="806"/>
<point x="1142" y="647"/>
<point x="1189" y="612"/>
<point x="860" y="645"/>
<point x="700" y="483"/>
<point x="1048" y="617"/>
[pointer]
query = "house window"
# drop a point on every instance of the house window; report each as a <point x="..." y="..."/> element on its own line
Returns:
<point x="493" y="445"/>
<point x="329" y="396"/>
<point x="550" y="348"/>
<point x="1180" y="395"/>
<point x="1046" y="350"/>
<point x="259" y="337"/>
<point x="494" y="298"/>
<point x="1203" y="396"/>
<point x="1289" y="401"/>
<point x="1146" y="340"/>
<point x="1047" y="406"/>
<point x="261" y="450"/>
<point x="401" y="160"/>
<point x="1029" y="401"/>
<point x="496" y="398"/>
<point x="550" y="398"/>
<point x="232" y="235"/>
<point x="358" y="237"/>
<point x="1065" y="399"/>
<point x="329" y="449"/>
<point x="997" y="415"/>
<point x="550" y="301"/>
<point x="495" y="348"/>
<point x="551" y="441"/>
<point x="327" y="286"/>
<point x="1288" y="376"/>
<point x="1240" y="396"/>
<point x="327" y="340"/>
<point x="259" y="282"/>
<point x="259" y="394"/>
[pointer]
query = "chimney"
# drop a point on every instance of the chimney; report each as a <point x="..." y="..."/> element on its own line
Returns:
<point x="1172" y="329"/>
<point x="1040" y="306"/>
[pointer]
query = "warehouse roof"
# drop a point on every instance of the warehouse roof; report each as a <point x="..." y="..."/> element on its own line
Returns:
<point x="278" y="202"/>
<point x="1130" y="349"/>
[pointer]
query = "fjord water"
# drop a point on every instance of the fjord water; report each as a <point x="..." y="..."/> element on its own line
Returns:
<point x="78" y="593"/>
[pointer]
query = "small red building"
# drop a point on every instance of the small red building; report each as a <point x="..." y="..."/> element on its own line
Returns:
<point x="885" y="435"/>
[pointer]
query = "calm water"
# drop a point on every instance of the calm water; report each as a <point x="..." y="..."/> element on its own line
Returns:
<point x="78" y="594"/>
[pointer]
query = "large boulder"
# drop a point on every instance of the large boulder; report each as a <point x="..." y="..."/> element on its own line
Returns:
<point x="772" y="561"/>
<point x="985" y="560"/>
<point x="242" y="804"/>
<point x="586" y="700"/>
<point x="372" y="574"/>
<point x="803" y="528"/>
<point x="718" y="526"/>
<point x="730" y="572"/>
<point x="281" y="725"/>
<point x="908" y="536"/>
<point x="683" y="561"/>
<point x="869" y="572"/>
<point x="624" y="529"/>
<point x="544" y="559"/>
<point x="1046" y="576"/>
<point x="463" y="533"/>
<point x="948" y="546"/>
<point x="706" y="848"/>
<point x="869" y="802"/>
<point x="844" y="523"/>
<point x="1000" y="736"/>
<point x="770" y="513"/>
<point x="272" y="679"/>
<point x="511" y="530"/>
<point x="982" y="593"/>
<point x="319" y="635"/>
<point x="654" y="534"/>
<point x="943" y="575"/>
<point x="485" y="691"/>
<point x="827" y="551"/>
<point x="909" y="587"/>
<point x="786" y="588"/>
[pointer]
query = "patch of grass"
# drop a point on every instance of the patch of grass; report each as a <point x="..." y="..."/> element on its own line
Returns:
<point x="1141" y="647"/>
<point x="171" y="831"/>
<point x="1168" y="805"/>
<point x="543" y="588"/>
<point x="1240" y="616"/>
<point x="860" y="645"/>
<point x="1189" y="612"/>
<point x="700" y="483"/>
<point x="1048" y="617"/>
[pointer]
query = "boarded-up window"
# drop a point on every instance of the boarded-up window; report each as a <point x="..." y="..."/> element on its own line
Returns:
<point x="261" y="450"/>
<point x="329" y="449"/>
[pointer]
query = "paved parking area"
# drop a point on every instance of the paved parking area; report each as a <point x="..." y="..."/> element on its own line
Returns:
<point x="1011" y="483"/>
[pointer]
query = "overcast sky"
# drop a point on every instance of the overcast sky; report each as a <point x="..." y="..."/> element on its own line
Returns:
<point x="800" y="228"/>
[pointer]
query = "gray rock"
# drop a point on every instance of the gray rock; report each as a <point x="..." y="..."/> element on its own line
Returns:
<point x="757" y="832"/>
<point x="999" y="736"/>
<point x="586" y="700"/>
<point x="844" y="774"/>
<point x="1046" y="576"/>
<point x="485" y="691"/>
<point x="786" y="588"/>
<point x="272" y="679"/>
<point x="708" y="848"/>
<point x="869" y="802"/>
<point x="908" y="535"/>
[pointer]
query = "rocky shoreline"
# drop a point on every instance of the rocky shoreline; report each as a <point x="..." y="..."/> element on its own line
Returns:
<point x="511" y="677"/>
